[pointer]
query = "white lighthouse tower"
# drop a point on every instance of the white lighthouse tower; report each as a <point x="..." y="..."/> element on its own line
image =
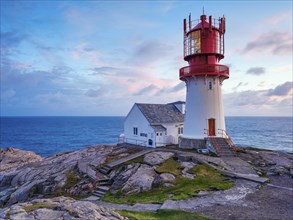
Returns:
<point x="204" y="115"/>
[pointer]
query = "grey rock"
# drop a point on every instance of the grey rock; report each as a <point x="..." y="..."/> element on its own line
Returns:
<point x="5" y="195"/>
<point x="23" y="192"/>
<point x="60" y="208"/>
<point x="142" y="180"/>
<point x="278" y="170"/>
<point x="11" y="159"/>
<point x="155" y="158"/>
<point x="188" y="175"/>
<point x="122" y="175"/>
<point x="168" y="185"/>
<point x="45" y="176"/>
<point x="187" y="166"/>
<point x="291" y="172"/>
<point x="167" y="177"/>
<point x="203" y="193"/>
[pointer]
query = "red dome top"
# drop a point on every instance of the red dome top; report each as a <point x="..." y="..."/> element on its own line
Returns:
<point x="199" y="25"/>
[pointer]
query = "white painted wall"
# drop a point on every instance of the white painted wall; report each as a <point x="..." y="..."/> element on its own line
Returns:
<point x="202" y="104"/>
<point x="135" y="118"/>
<point x="172" y="132"/>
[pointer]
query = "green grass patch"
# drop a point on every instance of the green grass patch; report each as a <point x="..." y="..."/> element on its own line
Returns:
<point x="72" y="179"/>
<point x="162" y="215"/>
<point x="206" y="179"/>
<point x="38" y="205"/>
<point x="170" y="166"/>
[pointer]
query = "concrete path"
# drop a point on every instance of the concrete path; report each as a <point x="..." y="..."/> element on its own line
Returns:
<point x="136" y="207"/>
<point x="130" y="157"/>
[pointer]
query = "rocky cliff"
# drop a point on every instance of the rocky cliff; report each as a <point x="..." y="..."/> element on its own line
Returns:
<point x="27" y="180"/>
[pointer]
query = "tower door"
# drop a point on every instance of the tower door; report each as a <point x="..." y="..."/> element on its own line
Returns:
<point x="212" y="129"/>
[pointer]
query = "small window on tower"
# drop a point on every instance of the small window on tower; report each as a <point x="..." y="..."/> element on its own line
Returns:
<point x="210" y="85"/>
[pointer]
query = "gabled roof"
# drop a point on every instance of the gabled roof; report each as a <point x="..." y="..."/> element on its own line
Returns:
<point x="159" y="127"/>
<point x="178" y="102"/>
<point x="161" y="113"/>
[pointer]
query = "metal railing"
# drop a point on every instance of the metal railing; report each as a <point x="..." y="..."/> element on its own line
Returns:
<point x="192" y="24"/>
<point x="226" y="136"/>
<point x="131" y="141"/>
<point x="207" y="69"/>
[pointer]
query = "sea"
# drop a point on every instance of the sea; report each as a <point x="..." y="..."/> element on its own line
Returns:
<point x="50" y="135"/>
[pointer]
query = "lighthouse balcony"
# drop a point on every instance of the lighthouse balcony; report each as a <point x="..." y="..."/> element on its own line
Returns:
<point x="206" y="69"/>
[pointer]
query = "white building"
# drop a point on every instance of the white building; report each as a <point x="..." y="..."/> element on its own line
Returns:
<point x="154" y="125"/>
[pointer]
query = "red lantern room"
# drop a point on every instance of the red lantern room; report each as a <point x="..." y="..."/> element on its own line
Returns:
<point x="204" y="47"/>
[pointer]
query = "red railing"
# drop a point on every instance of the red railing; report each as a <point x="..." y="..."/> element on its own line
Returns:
<point x="206" y="69"/>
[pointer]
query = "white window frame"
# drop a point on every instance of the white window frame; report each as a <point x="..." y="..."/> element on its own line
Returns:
<point x="135" y="131"/>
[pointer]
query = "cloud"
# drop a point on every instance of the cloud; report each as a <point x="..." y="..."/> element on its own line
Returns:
<point x="151" y="51"/>
<point x="93" y="93"/>
<point x="281" y="90"/>
<point x="180" y="86"/>
<point x="256" y="70"/>
<point x="146" y="90"/>
<point x="9" y="39"/>
<point x="276" y="19"/>
<point x="275" y="43"/>
<point x="277" y="101"/>
<point x="104" y="70"/>
<point x="241" y="84"/>
<point x="9" y="42"/>
<point x="6" y="94"/>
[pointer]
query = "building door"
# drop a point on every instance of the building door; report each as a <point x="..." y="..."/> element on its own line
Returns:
<point x="212" y="130"/>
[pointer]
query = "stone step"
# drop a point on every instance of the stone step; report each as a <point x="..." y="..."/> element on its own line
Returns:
<point x="105" y="183"/>
<point x="103" y="188"/>
<point x="99" y="194"/>
<point x="102" y="180"/>
<point x="105" y="169"/>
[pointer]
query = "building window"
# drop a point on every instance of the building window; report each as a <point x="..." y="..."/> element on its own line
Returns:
<point x="180" y="130"/>
<point x="143" y="134"/>
<point x="210" y="85"/>
<point x="135" y="131"/>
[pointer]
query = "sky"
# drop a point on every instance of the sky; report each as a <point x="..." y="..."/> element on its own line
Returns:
<point x="98" y="58"/>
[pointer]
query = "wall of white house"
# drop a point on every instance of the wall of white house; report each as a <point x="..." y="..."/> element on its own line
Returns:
<point x="174" y="130"/>
<point x="143" y="131"/>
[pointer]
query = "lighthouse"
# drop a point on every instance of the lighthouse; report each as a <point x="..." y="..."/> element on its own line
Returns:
<point x="204" y="122"/>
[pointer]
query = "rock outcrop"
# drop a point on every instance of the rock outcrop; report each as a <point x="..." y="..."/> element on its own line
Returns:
<point x="187" y="166"/>
<point x="156" y="158"/>
<point x="69" y="173"/>
<point x="167" y="177"/>
<point x="58" y="208"/>
<point x="12" y="158"/>
<point x="142" y="180"/>
<point x="268" y="163"/>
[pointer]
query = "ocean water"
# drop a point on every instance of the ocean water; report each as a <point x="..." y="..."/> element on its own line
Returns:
<point x="49" y="135"/>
